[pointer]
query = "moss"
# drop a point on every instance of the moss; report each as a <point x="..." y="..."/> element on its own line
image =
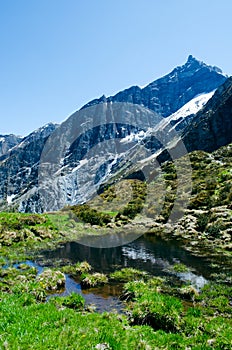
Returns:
<point x="128" y="274"/>
<point x="135" y="289"/>
<point x="202" y="222"/>
<point x="85" y="213"/>
<point x="157" y="310"/>
<point x="179" y="267"/>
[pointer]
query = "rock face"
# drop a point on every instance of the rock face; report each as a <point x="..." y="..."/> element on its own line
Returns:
<point x="211" y="128"/>
<point x="113" y="133"/>
<point x="7" y="142"/>
<point x="19" y="167"/>
<point x="169" y="93"/>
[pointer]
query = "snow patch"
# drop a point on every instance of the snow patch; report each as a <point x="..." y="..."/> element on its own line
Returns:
<point x="10" y="198"/>
<point x="81" y="163"/>
<point x="191" y="107"/>
<point x="134" y="137"/>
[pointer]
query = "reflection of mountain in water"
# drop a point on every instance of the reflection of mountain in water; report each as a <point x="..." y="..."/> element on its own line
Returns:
<point x="152" y="255"/>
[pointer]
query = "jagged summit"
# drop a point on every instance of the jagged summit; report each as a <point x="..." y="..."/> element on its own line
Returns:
<point x="194" y="62"/>
<point x="169" y="93"/>
<point x="191" y="60"/>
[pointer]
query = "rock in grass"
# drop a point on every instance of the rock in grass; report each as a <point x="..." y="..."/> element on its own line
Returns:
<point x="188" y="292"/>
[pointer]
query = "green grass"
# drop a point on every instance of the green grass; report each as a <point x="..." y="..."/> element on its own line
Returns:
<point x="155" y="321"/>
<point x="44" y="326"/>
<point x="111" y="213"/>
<point x="128" y="274"/>
<point x="50" y="326"/>
<point x="179" y="267"/>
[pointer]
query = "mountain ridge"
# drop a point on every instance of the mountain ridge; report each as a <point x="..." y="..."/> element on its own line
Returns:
<point x="153" y="97"/>
<point x="20" y="165"/>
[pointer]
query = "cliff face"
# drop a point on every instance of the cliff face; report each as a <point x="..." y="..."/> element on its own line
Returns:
<point x="7" y="142"/>
<point x="19" y="166"/>
<point x="211" y="128"/>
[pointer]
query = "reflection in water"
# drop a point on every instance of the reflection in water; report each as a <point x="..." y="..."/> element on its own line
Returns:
<point x="146" y="253"/>
<point x="105" y="298"/>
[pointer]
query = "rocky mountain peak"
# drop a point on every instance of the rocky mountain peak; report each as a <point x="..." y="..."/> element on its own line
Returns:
<point x="168" y="94"/>
<point x="193" y="63"/>
<point x="192" y="68"/>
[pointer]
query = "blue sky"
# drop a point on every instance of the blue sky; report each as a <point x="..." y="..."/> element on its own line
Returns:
<point x="56" y="55"/>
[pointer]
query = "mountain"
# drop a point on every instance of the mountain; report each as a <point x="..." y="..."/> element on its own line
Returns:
<point x="7" y="142"/>
<point x="19" y="166"/>
<point x="108" y="137"/>
<point x="168" y="94"/>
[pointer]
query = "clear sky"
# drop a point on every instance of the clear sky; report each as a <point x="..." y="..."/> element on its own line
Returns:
<point x="56" y="55"/>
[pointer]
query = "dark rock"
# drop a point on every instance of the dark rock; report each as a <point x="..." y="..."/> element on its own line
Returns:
<point x="211" y="128"/>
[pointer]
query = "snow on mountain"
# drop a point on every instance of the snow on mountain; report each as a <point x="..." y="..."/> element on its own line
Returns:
<point x="192" y="107"/>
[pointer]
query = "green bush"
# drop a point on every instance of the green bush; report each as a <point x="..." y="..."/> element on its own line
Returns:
<point x="77" y="269"/>
<point x="94" y="280"/>
<point x="157" y="310"/>
<point x="202" y="222"/>
<point x="179" y="267"/>
<point x="214" y="231"/>
<point x="133" y="208"/>
<point x="91" y="216"/>
<point x="73" y="301"/>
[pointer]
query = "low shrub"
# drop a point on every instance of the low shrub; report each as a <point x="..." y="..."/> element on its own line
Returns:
<point x="96" y="279"/>
<point x="51" y="279"/>
<point x="91" y="216"/>
<point x="72" y="301"/>
<point x="77" y="269"/>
